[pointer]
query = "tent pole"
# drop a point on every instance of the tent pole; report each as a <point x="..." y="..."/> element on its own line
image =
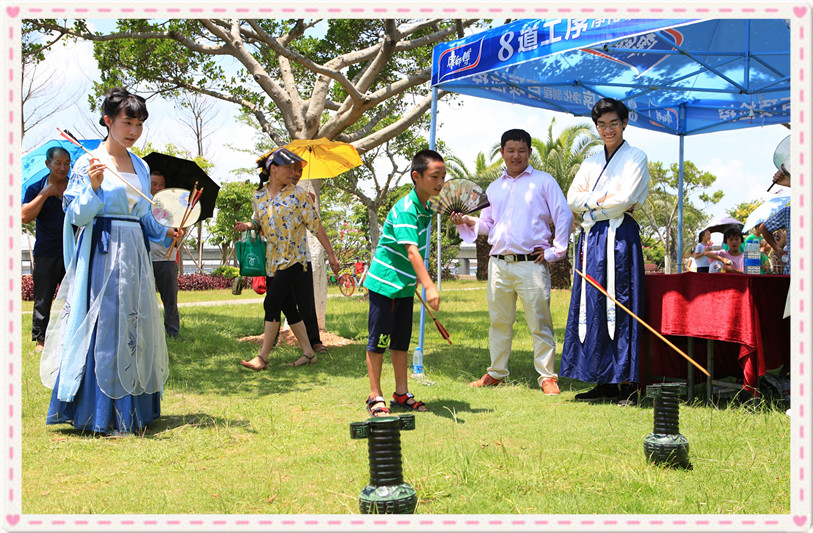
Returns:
<point x="417" y="358"/>
<point x="682" y="136"/>
<point x="680" y="208"/>
<point x="438" y="248"/>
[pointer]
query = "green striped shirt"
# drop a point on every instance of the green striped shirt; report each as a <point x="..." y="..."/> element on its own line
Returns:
<point x="391" y="273"/>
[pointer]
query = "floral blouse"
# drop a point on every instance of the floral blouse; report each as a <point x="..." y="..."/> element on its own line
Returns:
<point x="284" y="219"/>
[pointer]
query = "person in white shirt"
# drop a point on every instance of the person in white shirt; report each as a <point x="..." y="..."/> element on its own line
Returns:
<point x="524" y="203"/>
<point x="602" y="343"/>
<point x="703" y="244"/>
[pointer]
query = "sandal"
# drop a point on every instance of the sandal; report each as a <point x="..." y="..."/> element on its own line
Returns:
<point x="377" y="411"/>
<point x="320" y="348"/>
<point x="402" y="400"/>
<point x="310" y="360"/>
<point x="254" y="367"/>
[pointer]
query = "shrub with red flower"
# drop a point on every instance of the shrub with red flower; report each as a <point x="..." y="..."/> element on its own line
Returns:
<point x="187" y="282"/>
<point x="28" y="288"/>
<point x="202" y="282"/>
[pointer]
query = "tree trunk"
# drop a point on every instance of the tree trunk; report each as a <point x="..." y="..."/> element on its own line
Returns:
<point x="482" y="249"/>
<point x="375" y="231"/>
<point x="667" y="255"/>
<point x="226" y="255"/>
<point x="318" y="258"/>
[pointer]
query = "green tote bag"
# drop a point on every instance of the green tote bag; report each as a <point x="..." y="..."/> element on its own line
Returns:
<point x="251" y="255"/>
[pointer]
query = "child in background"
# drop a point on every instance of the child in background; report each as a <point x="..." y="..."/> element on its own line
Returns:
<point x="703" y="243"/>
<point x="733" y="258"/>
<point x="394" y="272"/>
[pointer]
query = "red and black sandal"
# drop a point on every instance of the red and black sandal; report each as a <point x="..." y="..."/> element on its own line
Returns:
<point x="402" y="401"/>
<point x="377" y="411"/>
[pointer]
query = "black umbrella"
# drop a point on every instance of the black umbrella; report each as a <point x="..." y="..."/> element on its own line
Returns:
<point x="183" y="173"/>
<point x="721" y="224"/>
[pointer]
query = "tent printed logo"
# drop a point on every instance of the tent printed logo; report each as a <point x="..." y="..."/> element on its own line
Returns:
<point x="460" y="58"/>
<point x="640" y="62"/>
<point x="666" y="117"/>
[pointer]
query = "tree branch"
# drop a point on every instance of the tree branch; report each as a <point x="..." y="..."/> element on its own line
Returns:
<point x="178" y="37"/>
<point x="254" y="109"/>
<point x="331" y="72"/>
<point x="395" y="128"/>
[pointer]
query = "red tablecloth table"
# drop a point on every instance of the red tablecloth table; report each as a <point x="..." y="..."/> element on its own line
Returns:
<point x="741" y="313"/>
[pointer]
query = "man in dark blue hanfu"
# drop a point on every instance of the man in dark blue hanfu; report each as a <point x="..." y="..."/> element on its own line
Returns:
<point x="602" y="345"/>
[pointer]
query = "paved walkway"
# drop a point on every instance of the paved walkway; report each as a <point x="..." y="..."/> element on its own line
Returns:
<point x="255" y="301"/>
<point x="260" y="300"/>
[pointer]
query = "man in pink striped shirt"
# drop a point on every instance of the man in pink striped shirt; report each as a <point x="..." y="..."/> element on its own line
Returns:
<point x="524" y="203"/>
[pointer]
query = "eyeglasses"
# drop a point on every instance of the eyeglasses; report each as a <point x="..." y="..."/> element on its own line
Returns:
<point x="603" y="126"/>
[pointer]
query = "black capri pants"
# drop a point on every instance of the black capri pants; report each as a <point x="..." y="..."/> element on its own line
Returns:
<point x="283" y="290"/>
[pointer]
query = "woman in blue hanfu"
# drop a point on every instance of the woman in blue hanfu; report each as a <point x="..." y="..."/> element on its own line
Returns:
<point x="601" y="342"/>
<point x="106" y="357"/>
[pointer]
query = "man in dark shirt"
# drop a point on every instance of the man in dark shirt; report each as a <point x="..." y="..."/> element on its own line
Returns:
<point x="43" y="201"/>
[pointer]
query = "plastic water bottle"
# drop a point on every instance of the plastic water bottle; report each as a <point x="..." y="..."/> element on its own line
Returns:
<point x="417" y="364"/>
<point x="752" y="255"/>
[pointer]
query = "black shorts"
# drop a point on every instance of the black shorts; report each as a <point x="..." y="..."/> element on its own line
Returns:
<point x="389" y="323"/>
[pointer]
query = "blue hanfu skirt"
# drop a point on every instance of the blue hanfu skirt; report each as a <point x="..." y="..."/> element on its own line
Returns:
<point x="600" y="359"/>
<point x="92" y="410"/>
<point x="118" y="390"/>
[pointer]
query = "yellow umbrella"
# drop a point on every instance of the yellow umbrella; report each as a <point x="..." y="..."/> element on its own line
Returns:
<point x="325" y="158"/>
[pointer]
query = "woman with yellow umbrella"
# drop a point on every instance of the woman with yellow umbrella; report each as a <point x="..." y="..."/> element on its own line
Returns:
<point x="283" y="213"/>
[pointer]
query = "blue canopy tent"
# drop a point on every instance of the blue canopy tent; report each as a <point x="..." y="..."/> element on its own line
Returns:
<point x="678" y="76"/>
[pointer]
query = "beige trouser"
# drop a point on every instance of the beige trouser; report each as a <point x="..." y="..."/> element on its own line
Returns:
<point x="531" y="282"/>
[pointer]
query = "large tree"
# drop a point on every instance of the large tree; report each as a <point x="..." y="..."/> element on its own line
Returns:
<point x="301" y="79"/>
<point x="361" y="81"/>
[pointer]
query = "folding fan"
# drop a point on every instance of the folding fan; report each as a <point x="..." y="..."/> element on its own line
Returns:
<point x="459" y="196"/>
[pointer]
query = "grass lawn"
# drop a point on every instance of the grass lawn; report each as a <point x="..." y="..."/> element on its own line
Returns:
<point x="234" y="441"/>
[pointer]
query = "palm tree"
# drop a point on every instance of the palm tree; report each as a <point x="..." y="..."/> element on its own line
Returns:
<point x="563" y="155"/>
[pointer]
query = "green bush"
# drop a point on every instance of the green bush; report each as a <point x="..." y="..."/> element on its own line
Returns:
<point x="228" y="272"/>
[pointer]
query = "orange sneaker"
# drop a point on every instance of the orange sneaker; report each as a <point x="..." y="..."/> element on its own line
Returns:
<point x="486" y="381"/>
<point x="549" y="386"/>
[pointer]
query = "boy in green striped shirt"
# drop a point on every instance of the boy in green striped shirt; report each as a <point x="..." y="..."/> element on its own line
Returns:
<point x="392" y="279"/>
